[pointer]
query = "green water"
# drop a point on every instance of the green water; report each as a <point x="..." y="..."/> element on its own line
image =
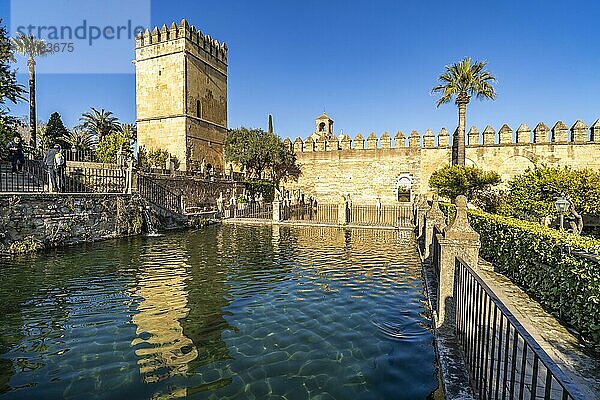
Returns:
<point x="227" y="312"/>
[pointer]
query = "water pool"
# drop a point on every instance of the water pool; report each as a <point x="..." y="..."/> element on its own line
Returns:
<point x="226" y="312"/>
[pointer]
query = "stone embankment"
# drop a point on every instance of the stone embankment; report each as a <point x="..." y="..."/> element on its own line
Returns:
<point x="35" y="221"/>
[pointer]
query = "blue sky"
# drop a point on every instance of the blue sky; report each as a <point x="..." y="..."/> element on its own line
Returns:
<point x="369" y="64"/>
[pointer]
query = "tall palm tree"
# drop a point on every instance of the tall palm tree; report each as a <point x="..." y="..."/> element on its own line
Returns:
<point x="100" y="123"/>
<point x="463" y="80"/>
<point x="31" y="48"/>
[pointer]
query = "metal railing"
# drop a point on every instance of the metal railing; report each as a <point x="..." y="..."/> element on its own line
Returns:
<point x="250" y="210"/>
<point x="385" y="215"/>
<point x="93" y="180"/>
<point x="159" y="195"/>
<point x="321" y="213"/>
<point x="80" y="155"/>
<point x="34" y="177"/>
<point x="504" y="360"/>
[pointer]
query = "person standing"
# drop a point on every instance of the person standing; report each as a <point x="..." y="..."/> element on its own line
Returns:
<point x="54" y="161"/>
<point x="15" y="153"/>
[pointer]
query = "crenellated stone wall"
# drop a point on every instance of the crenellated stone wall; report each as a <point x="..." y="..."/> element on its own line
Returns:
<point x="374" y="168"/>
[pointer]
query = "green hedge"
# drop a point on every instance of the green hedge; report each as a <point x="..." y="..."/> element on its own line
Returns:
<point x="565" y="281"/>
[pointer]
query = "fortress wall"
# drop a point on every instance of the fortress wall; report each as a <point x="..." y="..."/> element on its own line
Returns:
<point x="370" y="169"/>
<point x="366" y="174"/>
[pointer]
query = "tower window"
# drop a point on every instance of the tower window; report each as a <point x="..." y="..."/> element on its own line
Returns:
<point x="198" y="109"/>
<point x="322" y="127"/>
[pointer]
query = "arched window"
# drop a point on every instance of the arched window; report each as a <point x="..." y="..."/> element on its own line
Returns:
<point x="404" y="188"/>
<point x="322" y="127"/>
<point x="198" y="109"/>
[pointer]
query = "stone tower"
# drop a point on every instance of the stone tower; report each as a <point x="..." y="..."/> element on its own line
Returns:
<point x="181" y="94"/>
<point x="323" y="128"/>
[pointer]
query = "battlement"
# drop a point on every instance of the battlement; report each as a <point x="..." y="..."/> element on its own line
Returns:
<point x="182" y="31"/>
<point x="579" y="133"/>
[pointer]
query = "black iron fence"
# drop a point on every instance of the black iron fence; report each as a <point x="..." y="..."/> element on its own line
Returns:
<point x="504" y="360"/>
<point x="80" y="155"/>
<point x="320" y="213"/>
<point x="35" y="177"/>
<point x="31" y="178"/>
<point x="250" y="210"/>
<point x="159" y="195"/>
<point x="384" y="215"/>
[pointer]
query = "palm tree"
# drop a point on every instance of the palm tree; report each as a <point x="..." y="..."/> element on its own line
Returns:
<point x="31" y="48"/>
<point x="463" y="80"/>
<point x="79" y="139"/>
<point x="100" y="123"/>
<point x="129" y="131"/>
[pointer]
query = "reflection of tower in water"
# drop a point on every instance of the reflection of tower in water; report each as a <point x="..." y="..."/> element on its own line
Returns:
<point x="161" y="345"/>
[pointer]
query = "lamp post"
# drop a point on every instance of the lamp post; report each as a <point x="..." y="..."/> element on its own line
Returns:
<point x="562" y="205"/>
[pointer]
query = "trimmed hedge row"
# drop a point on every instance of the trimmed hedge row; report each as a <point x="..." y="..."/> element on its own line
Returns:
<point x="564" y="279"/>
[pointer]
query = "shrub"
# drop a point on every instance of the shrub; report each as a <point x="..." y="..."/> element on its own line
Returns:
<point x="534" y="192"/>
<point x="155" y="158"/>
<point x="564" y="279"/>
<point x="470" y="181"/>
<point x="110" y="146"/>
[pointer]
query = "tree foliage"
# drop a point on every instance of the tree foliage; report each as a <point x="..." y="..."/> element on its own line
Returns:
<point x="100" y="123"/>
<point x="129" y="130"/>
<point x="79" y="139"/>
<point x="470" y="181"/>
<point x="465" y="78"/>
<point x="10" y="90"/>
<point x="259" y="152"/>
<point x="533" y="194"/>
<point x="153" y="158"/>
<point x="109" y="147"/>
<point x="55" y="132"/>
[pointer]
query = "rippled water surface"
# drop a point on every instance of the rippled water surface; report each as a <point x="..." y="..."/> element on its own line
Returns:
<point x="242" y="312"/>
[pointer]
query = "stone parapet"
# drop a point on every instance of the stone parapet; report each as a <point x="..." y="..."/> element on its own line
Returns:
<point x="579" y="133"/>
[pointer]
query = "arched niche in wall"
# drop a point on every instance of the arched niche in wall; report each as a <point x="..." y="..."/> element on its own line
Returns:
<point x="403" y="189"/>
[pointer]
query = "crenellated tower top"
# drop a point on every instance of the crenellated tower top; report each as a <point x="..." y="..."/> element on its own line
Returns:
<point x="183" y="31"/>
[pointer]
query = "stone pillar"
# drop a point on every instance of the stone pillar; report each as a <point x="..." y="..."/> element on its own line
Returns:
<point x="414" y="140"/>
<point x="428" y="139"/>
<point x="343" y="211"/>
<point x="359" y="142"/>
<point x="579" y="132"/>
<point x="460" y="240"/>
<point x="129" y="177"/>
<point x="595" y="131"/>
<point x="523" y="134"/>
<point x="473" y="136"/>
<point x="276" y="210"/>
<point x="434" y="217"/>
<point x="505" y="134"/>
<point x="298" y="145"/>
<point x="399" y="140"/>
<point x="372" y="141"/>
<point x="540" y="133"/>
<point x="489" y="136"/>
<point x="386" y="141"/>
<point x="443" y="138"/>
<point x="422" y="209"/>
<point x="346" y="142"/>
<point x="560" y="133"/>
